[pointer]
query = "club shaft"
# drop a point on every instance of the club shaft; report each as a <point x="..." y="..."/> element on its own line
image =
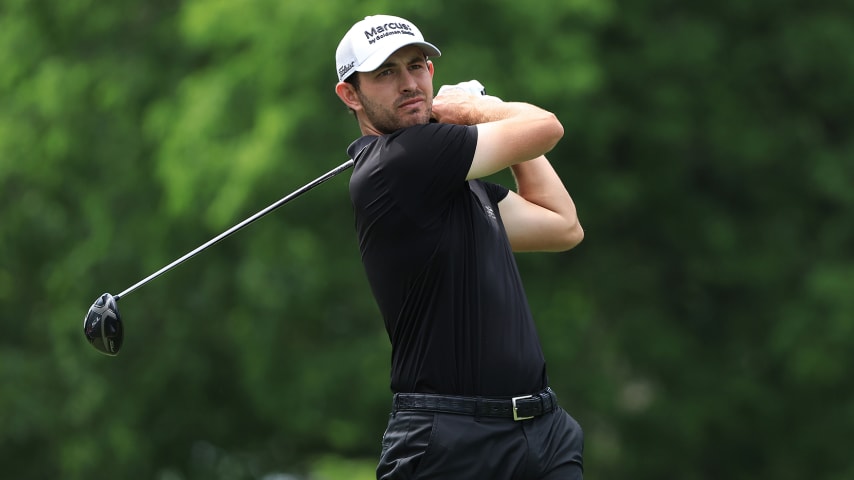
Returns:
<point x="317" y="181"/>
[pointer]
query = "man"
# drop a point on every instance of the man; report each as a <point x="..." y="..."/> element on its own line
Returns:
<point x="471" y="394"/>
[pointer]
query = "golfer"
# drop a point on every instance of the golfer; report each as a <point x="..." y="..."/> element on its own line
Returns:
<point x="471" y="394"/>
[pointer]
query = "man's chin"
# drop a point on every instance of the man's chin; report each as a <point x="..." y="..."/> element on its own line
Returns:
<point x="405" y="121"/>
<point x="415" y="118"/>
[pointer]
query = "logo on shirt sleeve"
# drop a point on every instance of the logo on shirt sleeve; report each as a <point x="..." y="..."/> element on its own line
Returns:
<point x="489" y="212"/>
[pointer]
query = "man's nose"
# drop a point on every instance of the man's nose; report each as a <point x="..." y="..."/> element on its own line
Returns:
<point x="407" y="82"/>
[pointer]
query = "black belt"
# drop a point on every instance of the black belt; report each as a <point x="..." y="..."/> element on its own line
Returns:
<point x="517" y="408"/>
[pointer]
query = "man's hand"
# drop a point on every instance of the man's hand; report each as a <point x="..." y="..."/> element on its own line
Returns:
<point x="472" y="86"/>
<point x="462" y="104"/>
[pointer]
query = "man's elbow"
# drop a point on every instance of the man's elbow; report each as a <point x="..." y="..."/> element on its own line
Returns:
<point x="571" y="237"/>
<point x="555" y="130"/>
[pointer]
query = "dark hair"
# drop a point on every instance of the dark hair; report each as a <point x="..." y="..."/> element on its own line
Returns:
<point x="353" y="80"/>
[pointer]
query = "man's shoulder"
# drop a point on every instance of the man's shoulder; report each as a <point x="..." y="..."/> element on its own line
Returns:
<point x="432" y="135"/>
<point x="433" y="128"/>
<point x="428" y="132"/>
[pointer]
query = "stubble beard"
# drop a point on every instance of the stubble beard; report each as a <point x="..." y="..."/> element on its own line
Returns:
<point x="390" y="119"/>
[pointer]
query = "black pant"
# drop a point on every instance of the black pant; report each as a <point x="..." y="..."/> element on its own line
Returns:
<point x="426" y="445"/>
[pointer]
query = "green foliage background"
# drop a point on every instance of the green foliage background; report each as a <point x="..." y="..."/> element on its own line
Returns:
<point x="703" y="330"/>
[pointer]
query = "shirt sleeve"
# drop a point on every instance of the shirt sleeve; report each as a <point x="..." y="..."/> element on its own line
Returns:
<point x="495" y="191"/>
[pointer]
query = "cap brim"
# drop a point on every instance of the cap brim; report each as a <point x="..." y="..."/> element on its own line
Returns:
<point x="379" y="57"/>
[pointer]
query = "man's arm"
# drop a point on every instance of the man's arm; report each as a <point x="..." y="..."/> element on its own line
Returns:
<point x="507" y="132"/>
<point x="542" y="215"/>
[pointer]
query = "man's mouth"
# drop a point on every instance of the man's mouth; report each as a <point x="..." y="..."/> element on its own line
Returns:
<point x="412" y="102"/>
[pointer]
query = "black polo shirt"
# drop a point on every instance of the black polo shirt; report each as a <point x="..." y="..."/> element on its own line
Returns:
<point x="440" y="266"/>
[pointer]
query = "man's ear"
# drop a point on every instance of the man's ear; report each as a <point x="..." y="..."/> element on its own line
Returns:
<point x="430" y="67"/>
<point x="347" y="93"/>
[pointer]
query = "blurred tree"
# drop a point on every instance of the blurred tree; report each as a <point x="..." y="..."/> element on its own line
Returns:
<point x="701" y="330"/>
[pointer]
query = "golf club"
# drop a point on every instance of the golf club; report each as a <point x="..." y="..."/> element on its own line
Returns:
<point x="102" y="324"/>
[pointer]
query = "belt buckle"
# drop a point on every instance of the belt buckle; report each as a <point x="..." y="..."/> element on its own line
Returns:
<point x="516" y="416"/>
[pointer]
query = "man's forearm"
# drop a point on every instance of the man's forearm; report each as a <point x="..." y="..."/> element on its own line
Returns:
<point x="464" y="109"/>
<point x="538" y="183"/>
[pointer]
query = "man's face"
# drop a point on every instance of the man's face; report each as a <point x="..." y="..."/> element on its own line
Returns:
<point x="399" y="93"/>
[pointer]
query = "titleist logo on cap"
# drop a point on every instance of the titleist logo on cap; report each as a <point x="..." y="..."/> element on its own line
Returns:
<point x="381" y="31"/>
<point x="346" y="68"/>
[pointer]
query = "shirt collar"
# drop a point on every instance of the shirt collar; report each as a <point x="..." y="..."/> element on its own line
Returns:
<point x="360" y="144"/>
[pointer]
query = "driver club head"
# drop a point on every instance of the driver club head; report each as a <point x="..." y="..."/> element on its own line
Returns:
<point x="103" y="325"/>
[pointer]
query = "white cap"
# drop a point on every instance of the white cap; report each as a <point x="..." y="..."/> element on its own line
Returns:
<point x="371" y="41"/>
